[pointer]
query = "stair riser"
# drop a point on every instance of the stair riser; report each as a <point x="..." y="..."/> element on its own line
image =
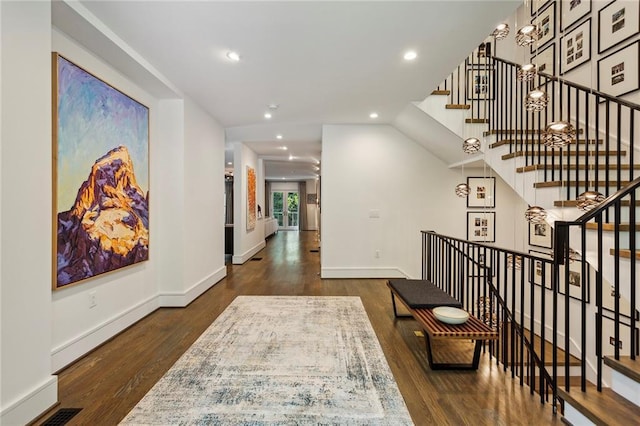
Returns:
<point x="574" y="417"/>
<point x="625" y="387"/>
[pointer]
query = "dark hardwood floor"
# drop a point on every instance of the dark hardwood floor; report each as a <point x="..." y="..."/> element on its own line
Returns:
<point x="108" y="382"/>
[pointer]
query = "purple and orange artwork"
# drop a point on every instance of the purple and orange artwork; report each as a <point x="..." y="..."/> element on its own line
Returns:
<point x="101" y="214"/>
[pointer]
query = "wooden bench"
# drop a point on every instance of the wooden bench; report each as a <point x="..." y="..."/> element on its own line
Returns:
<point x="420" y="297"/>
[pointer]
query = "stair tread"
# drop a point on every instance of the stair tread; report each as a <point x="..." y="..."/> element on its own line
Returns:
<point x="574" y="203"/>
<point x="557" y="183"/>
<point x="626" y="253"/>
<point x="625" y="365"/>
<point x="606" y="407"/>
<point x="534" y="167"/>
<point x="520" y="131"/>
<point x="457" y="106"/>
<point x="548" y="350"/>
<point x="476" y="120"/>
<point x="441" y="92"/>
<point x="565" y="152"/>
<point x="608" y="226"/>
<point x="534" y="142"/>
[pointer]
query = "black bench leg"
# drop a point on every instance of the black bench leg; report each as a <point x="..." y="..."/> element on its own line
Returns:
<point x="452" y="366"/>
<point x="395" y="311"/>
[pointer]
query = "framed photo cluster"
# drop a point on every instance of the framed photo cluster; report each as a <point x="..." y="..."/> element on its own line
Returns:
<point x="481" y="225"/>
<point x="618" y="72"/>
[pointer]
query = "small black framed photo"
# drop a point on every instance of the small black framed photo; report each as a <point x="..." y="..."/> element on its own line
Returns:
<point x="482" y="192"/>
<point x="571" y="11"/>
<point x="537" y="6"/>
<point x="545" y="60"/>
<point x="576" y="280"/>
<point x="541" y="235"/>
<point x="546" y="21"/>
<point x="618" y="73"/>
<point x="480" y="83"/>
<point x="542" y="271"/>
<point x="481" y="226"/>
<point x="618" y="21"/>
<point x="575" y="47"/>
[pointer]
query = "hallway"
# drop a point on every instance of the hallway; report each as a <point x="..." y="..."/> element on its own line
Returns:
<point x="109" y="381"/>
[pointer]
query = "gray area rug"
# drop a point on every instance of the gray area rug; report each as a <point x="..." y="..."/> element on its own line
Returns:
<point x="277" y="360"/>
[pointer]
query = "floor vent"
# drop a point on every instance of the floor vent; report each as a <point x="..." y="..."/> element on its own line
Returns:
<point x="256" y="258"/>
<point x="314" y="251"/>
<point x="61" y="417"/>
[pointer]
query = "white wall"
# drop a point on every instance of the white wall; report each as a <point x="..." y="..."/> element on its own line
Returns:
<point x="186" y="223"/>
<point x="124" y="296"/>
<point x="42" y="330"/>
<point x="246" y="243"/>
<point x="27" y="387"/>
<point x="167" y="173"/>
<point x="204" y="197"/>
<point x="373" y="170"/>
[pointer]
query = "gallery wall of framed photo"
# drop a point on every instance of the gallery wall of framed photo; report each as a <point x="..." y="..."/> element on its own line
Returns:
<point x="589" y="42"/>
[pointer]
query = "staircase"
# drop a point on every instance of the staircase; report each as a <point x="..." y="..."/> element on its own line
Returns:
<point x="598" y="323"/>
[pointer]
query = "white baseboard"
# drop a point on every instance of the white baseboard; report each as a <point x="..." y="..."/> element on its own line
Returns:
<point x="362" y="272"/>
<point x="31" y="405"/>
<point x="73" y="349"/>
<point x="240" y="259"/>
<point x="182" y="299"/>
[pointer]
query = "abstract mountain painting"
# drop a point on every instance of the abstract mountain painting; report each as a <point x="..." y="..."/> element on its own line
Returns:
<point x="102" y="204"/>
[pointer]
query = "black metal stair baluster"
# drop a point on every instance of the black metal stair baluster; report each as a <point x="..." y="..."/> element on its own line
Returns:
<point x="632" y="271"/>
<point x="619" y="147"/>
<point x="616" y="279"/>
<point x="599" y="289"/>
<point x="597" y="153"/>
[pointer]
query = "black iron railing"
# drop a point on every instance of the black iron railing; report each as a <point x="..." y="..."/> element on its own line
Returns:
<point x="616" y="301"/>
<point x="542" y="302"/>
<point x="603" y="157"/>
<point x="495" y="285"/>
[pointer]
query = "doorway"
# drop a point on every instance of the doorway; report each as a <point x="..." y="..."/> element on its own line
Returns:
<point x="286" y="209"/>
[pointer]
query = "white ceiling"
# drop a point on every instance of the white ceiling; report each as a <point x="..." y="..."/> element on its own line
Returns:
<point x="322" y="62"/>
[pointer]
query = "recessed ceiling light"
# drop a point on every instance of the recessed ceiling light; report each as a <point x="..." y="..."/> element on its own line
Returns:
<point x="229" y="163"/>
<point x="290" y="157"/>
<point x="267" y="115"/>
<point x="410" y="55"/>
<point x="284" y="148"/>
<point x="274" y="107"/>
<point x="373" y="115"/>
<point x="233" y="56"/>
<point x="278" y="136"/>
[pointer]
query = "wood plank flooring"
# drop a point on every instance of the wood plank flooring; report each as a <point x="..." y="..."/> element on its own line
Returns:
<point x="108" y="382"/>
